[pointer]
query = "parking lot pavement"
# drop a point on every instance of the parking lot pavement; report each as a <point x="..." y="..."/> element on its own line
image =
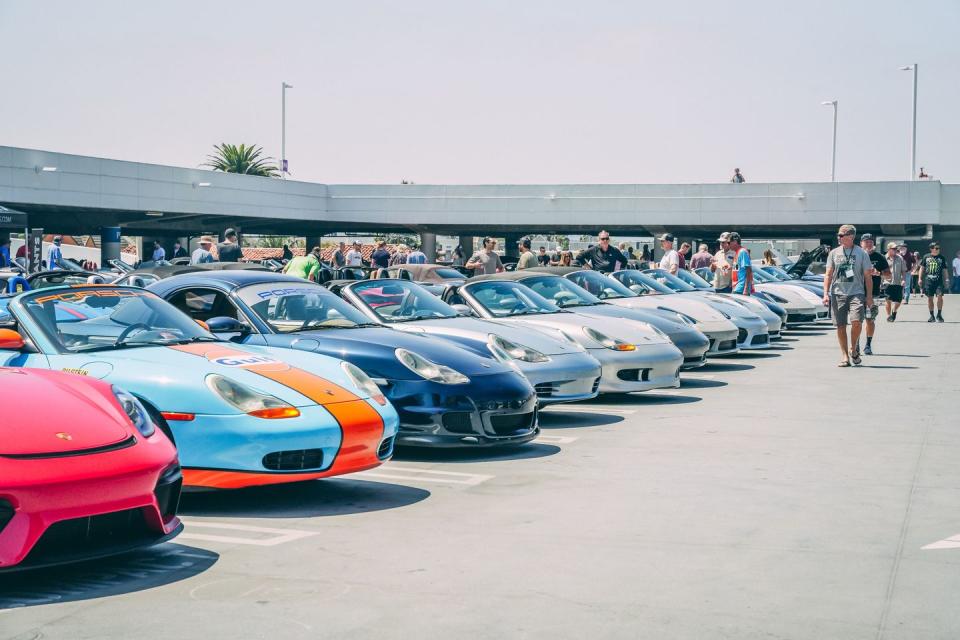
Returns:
<point x="773" y="495"/>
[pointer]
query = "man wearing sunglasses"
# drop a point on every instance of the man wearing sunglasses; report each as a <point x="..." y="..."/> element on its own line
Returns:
<point x="848" y="289"/>
<point x="603" y="256"/>
<point x="933" y="279"/>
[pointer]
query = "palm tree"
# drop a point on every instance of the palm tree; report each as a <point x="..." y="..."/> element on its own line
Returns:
<point x="241" y="159"/>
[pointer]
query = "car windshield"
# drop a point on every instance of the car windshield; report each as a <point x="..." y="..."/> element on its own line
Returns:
<point x="777" y="273"/>
<point x="603" y="287"/>
<point x="759" y="275"/>
<point x="561" y="292"/>
<point x="401" y="301"/>
<point x="448" y="274"/>
<point x="504" y="298"/>
<point x="93" y="319"/>
<point x="290" y="307"/>
<point x="641" y="283"/>
<point x="58" y="279"/>
<point x="670" y="281"/>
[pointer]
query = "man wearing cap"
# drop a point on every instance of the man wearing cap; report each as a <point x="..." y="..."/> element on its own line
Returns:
<point x="54" y="255"/>
<point x="229" y="250"/>
<point x="603" y="256"/>
<point x="933" y="280"/>
<point x="670" y="262"/>
<point x="848" y="289"/>
<point x="202" y="255"/>
<point x="721" y="265"/>
<point x="527" y="259"/>
<point x="881" y="269"/>
<point x="895" y="281"/>
<point x="742" y="266"/>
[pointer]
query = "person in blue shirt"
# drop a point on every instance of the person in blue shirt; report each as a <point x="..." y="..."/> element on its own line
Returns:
<point x="5" y="252"/>
<point x="416" y="256"/>
<point x="159" y="253"/>
<point x="743" y="282"/>
<point x="54" y="255"/>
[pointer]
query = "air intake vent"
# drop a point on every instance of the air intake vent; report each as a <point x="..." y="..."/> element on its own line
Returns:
<point x="295" y="460"/>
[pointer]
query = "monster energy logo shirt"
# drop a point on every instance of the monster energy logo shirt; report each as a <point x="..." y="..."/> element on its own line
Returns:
<point x="933" y="266"/>
<point x="849" y="266"/>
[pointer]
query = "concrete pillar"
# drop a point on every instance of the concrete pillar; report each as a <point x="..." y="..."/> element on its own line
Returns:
<point x="109" y="244"/>
<point x="510" y="241"/>
<point x="428" y="244"/>
<point x="312" y="241"/>
<point x="466" y="243"/>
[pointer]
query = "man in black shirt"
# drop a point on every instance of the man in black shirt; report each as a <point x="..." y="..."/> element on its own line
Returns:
<point x="603" y="256"/>
<point x="934" y="280"/>
<point x="229" y="250"/>
<point x="881" y="268"/>
<point x="543" y="257"/>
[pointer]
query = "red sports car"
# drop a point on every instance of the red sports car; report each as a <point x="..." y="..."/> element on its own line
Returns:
<point x="84" y="472"/>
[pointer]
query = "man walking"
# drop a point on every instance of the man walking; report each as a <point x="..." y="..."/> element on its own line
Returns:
<point x="894" y="291"/>
<point x="743" y="267"/>
<point x="848" y="288"/>
<point x="721" y="265"/>
<point x="603" y="256"/>
<point x="202" y="255"/>
<point x="701" y="259"/>
<point x="54" y="255"/>
<point x="229" y="250"/>
<point x="910" y="262"/>
<point x="670" y="262"/>
<point x="933" y="280"/>
<point x="486" y="260"/>
<point x="527" y="259"/>
<point x="956" y="274"/>
<point x="881" y="269"/>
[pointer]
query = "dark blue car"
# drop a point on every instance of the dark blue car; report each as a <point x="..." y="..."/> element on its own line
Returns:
<point x="445" y="396"/>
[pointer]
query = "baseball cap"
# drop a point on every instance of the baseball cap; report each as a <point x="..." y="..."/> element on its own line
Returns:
<point x="934" y="244"/>
<point x="229" y="232"/>
<point x="867" y="236"/>
<point x="724" y="237"/>
<point x="526" y="243"/>
<point x="666" y="237"/>
<point x="733" y="236"/>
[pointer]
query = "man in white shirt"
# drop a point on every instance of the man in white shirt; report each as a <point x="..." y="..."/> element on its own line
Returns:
<point x="355" y="256"/>
<point x="956" y="274"/>
<point x="670" y="262"/>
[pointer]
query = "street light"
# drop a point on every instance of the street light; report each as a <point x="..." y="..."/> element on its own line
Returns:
<point x="283" y="128"/>
<point x="833" y="163"/>
<point x="913" y="138"/>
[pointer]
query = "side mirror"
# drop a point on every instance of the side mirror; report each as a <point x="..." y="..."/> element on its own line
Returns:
<point x="462" y="309"/>
<point x="10" y="340"/>
<point x="224" y="324"/>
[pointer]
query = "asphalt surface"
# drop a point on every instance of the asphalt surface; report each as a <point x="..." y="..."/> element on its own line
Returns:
<point x="773" y="496"/>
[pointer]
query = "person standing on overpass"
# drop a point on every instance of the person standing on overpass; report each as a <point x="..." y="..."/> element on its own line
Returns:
<point x="881" y="269"/>
<point x="848" y="289"/>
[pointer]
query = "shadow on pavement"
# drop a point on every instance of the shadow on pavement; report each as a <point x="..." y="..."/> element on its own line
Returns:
<point x="897" y="355"/>
<point x="331" y="497"/>
<point x="645" y="398"/>
<point x="560" y="419"/>
<point x="515" y="452"/>
<point x="699" y="383"/>
<point x="725" y="366"/>
<point x="128" y="573"/>
<point x="885" y="366"/>
<point x="756" y="355"/>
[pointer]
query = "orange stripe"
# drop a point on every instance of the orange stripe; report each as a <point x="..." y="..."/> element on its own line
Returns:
<point x="361" y="425"/>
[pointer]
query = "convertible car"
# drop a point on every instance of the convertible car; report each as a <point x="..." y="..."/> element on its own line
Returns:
<point x="558" y="369"/>
<point x="445" y="395"/>
<point x="84" y="472"/>
<point x="635" y="356"/>
<point x="240" y="415"/>
<point x="719" y="327"/>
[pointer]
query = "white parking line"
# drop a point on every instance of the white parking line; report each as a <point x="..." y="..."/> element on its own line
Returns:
<point x="555" y="439"/>
<point x="953" y="542"/>
<point x="280" y="536"/>
<point x="413" y="474"/>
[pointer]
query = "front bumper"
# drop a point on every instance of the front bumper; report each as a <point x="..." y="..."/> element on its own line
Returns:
<point x="491" y="410"/>
<point x="649" y="367"/>
<point x="234" y="451"/>
<point x="798" y="316"/>
<point x="753" y="334"/>
<point x="566" y="378"/>
<point x="75" y="508"/>
<point x="723" y="343"/>
<point x="692" y="343"/>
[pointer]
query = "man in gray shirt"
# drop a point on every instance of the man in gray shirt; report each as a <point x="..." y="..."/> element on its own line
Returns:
<point x="486" y="260"/>
<point x="848" y="289"/>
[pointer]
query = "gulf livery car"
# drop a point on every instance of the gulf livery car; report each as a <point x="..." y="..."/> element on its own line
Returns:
<point x="445" y="395"/>
<point x="84" y="472"/>
<point x="240" y="415"/>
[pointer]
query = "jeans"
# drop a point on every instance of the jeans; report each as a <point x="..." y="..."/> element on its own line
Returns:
<point x="907" y="286"/>
<point x="955" y="285"/>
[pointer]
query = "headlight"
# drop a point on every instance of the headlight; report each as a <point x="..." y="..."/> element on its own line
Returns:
<point x="363" y="382"/>
<point x="607" y="341"/>
<point x="136" y="412"/>
<point x="684" y="318"/>
<point x="430" y="370"/>
<point x="513" y="350"/>
<point x="250" y="401"/>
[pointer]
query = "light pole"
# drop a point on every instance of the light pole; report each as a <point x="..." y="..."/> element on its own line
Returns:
<point x="833" y="163"/>
<point x="913" y="138"/>
<point x="283" y="128"/>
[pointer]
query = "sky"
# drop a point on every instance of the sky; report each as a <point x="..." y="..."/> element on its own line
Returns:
<point x="498" y="91"/>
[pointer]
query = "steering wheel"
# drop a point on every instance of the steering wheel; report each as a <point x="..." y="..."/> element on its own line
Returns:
<point x="126" y="332"/>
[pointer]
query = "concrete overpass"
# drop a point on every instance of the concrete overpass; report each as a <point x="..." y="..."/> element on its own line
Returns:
<point x="79" y="194"/>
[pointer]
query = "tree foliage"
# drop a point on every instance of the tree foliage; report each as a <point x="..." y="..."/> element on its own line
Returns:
<point x="249" y="160"/>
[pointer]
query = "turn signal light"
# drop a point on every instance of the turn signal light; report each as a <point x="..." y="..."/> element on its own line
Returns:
<point x="624" y="346"/>
<point x="177" y="415"/>
<point x="274" y="413"/>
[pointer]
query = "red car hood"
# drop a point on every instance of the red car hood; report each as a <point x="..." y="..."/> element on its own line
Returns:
<point x="47" y="412"/>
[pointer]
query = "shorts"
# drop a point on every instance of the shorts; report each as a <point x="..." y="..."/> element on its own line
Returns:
<point x="727" y="289"/>
<point x="894" y="293"/>
<point x="846" y="309"/>
<point x="933" y="287"/>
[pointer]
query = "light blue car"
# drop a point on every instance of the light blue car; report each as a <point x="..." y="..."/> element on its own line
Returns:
<point x="240" y="415"/>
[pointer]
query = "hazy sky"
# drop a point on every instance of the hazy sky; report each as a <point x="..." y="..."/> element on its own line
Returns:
<point x="516" y="91"/>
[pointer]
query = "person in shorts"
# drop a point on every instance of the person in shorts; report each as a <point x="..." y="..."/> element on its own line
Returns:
<point x="894" y="285"/>
<point x="933" y="280"/>
<point x="881" y="269"/>
<point x="848" y="290"/>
